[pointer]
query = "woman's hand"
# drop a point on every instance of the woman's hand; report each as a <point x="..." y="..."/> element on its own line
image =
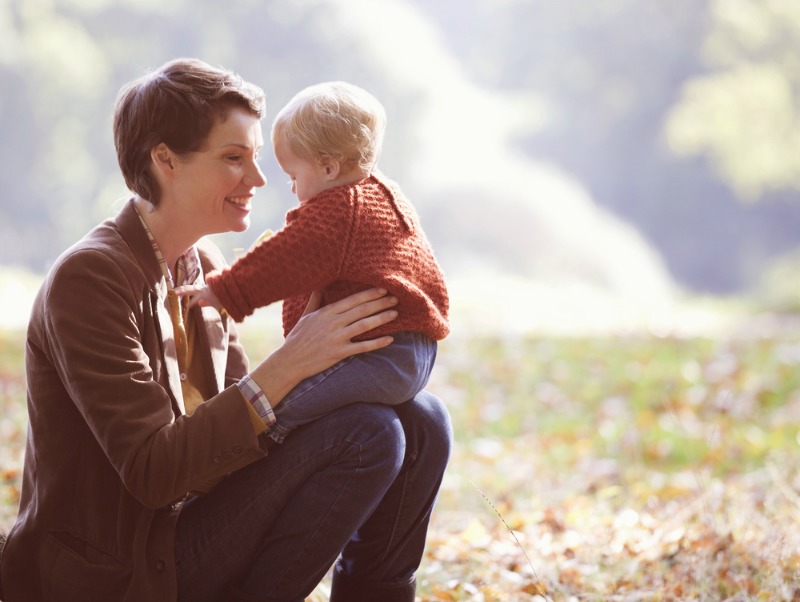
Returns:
<point x="322" y="337"/>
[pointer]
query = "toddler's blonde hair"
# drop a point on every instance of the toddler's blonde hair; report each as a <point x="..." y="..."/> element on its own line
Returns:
<point x="333" y="121"/>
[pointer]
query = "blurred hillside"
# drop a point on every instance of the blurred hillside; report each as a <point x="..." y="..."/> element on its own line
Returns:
<point x="621" y="150"/>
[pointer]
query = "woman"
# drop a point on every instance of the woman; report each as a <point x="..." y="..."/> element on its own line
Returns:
<point x="147" y="476"/>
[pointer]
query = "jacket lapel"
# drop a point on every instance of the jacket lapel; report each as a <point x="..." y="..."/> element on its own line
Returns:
<point x="217" y="341"/>
<point x="170" y="351"/>
<point x="213" y="336"/>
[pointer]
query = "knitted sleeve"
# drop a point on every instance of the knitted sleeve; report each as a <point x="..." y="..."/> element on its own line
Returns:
<point x="304" y="255"/>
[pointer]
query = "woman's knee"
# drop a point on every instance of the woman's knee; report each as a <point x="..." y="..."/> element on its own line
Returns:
<point x="378" y="432"/>
<point x="428" y="427"/>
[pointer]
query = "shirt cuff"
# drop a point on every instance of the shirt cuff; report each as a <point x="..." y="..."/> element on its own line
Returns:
<point x="258" y="424"/>
<point x="257" y="399"/>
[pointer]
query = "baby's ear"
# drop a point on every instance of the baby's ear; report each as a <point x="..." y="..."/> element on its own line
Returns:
<point x="332" y="169"/>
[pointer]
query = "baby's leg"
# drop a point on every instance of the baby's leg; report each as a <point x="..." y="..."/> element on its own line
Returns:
<point x="390" y="376"/>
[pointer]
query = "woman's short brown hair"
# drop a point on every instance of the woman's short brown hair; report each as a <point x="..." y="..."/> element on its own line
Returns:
<point x="176" y="104"/>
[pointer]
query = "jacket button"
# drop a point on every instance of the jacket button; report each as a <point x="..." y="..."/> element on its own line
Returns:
<point x="160" y="566"/>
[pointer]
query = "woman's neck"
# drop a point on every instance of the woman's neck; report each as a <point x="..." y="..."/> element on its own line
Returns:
<point x="171" y="241"/>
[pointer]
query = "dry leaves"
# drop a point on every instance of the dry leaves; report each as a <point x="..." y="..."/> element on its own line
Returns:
<point x="640" y="468"/>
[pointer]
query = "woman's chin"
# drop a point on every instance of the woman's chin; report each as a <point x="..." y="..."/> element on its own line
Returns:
<point x="240" y="225"/>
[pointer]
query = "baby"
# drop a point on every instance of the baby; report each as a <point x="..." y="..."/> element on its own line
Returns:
<point x="353" y="229"/>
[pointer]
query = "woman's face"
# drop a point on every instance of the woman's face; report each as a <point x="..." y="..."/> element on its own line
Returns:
<point x="212" y="189"/>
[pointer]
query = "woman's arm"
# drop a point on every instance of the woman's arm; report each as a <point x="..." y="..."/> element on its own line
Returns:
<point x="322" y="338"/>
<point x="103" y="353"/>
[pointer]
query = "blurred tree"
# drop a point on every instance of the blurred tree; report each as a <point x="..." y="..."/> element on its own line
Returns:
<point x="607" y="74"/>
<point x="63" y="61"/>
<point x="61" y="65"/>
<point x="57" y="73"/>
<point x="779" y="288"/>
<point x="744" y="115"/>
<point x="610" y="73"/>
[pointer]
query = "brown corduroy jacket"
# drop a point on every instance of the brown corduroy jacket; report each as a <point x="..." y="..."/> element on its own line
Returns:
<point x="110" y="453"/>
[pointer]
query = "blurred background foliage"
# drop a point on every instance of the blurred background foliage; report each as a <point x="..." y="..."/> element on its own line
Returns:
<point x="638" y="147"/>
<point x="572" y="161"/>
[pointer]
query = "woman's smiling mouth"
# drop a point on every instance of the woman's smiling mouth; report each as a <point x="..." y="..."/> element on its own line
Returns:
<point x="242" y="202"/>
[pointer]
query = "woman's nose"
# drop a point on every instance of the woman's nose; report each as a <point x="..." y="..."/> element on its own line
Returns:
<point x="256" y="176"/>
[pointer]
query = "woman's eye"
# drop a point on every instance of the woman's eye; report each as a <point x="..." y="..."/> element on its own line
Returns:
<point x="234" y="158"/>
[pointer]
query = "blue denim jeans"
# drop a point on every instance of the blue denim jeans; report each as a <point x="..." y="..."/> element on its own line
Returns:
<point x="391" y="375"/>
<point x="359" y="482"/>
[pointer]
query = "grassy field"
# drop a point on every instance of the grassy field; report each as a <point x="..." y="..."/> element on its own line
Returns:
<point x="636" y="467"/>
<point x="624" y="468"/>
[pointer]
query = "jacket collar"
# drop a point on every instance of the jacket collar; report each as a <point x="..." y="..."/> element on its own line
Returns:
<point x="212" y="332"/>
<point x="129" y="226"/>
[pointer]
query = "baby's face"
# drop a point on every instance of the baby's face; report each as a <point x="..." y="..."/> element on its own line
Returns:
<point x="307" y="177"/>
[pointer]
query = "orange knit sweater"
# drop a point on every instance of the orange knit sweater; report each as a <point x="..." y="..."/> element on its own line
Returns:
<point x="344" y="240"/>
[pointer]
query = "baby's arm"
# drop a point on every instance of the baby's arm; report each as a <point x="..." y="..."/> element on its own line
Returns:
<point x="200" y="294"/>
<point x="303" y="256"/>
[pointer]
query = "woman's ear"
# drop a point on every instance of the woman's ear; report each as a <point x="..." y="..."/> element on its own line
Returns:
<point x="162" y="158"/>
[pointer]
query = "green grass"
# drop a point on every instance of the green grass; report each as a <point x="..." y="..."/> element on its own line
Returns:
<point x="629" y="467"/>
<point x="670" y="403"/>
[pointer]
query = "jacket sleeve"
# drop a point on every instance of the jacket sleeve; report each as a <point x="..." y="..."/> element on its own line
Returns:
<point x="306" y="254"/>
<point x="100" y="333"/>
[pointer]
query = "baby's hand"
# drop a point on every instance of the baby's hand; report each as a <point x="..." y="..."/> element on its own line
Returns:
<point x="199" y="294"/>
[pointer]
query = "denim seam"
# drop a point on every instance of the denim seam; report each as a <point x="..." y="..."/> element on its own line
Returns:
<point x="354" y="472"/>
<point x="396" y="518"/>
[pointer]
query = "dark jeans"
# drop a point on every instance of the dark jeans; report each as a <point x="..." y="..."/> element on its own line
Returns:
<point x="360" y="482"/>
